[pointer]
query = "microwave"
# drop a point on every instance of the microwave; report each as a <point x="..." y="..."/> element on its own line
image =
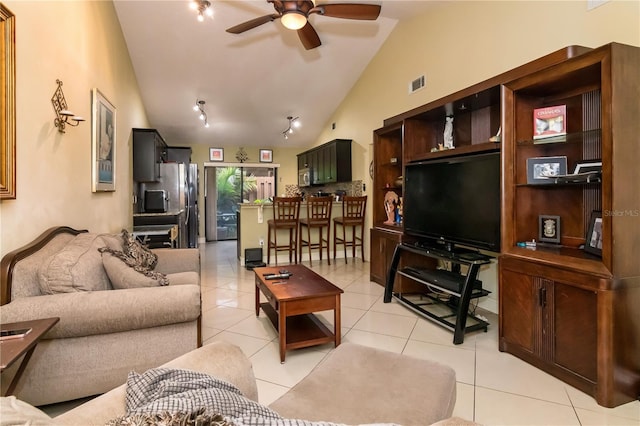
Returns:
<point x="304" y="177"/>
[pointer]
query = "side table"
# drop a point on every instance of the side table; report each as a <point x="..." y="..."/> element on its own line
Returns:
<point x="12" y="350"/>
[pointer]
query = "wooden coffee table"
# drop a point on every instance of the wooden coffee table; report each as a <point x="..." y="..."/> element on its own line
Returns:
<point x="291" y="303"/>
<point x="12" y="350"/>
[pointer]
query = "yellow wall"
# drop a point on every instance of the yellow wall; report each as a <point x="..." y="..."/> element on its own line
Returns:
<point x="81" y="44"/>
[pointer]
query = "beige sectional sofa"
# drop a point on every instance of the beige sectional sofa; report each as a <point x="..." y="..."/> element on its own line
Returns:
<point x="354" y="384"/>
<point x="103" y="333"/>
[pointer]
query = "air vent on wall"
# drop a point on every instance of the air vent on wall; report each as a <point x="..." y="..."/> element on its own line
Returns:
<point x="416" y="84"/>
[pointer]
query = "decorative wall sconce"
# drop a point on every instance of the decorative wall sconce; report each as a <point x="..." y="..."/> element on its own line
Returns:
<point x="199" y="106"/>
<point x="293" y="122"/>
<point x="203" y="7"/>
<point x="63" y="115"/>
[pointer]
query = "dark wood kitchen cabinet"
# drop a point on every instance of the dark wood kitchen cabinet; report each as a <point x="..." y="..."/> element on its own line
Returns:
<point x="149" y="150"/>
<point x="330" y="163"/>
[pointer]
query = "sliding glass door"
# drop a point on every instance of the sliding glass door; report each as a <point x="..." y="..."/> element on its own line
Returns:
<point x="225" y="188"/>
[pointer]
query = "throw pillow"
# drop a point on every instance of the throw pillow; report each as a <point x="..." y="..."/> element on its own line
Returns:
<point x="125" y="271"/>
<point x="77" y="267"/>
<point x="123" y="276"/>
<point x="142" y="255"/>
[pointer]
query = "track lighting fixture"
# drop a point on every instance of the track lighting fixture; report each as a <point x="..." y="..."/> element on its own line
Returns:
<point x="199" y="107"/>
<point x="63" y="115"/>
<point x="203" y="7"/>
<point x="293" y="122"/>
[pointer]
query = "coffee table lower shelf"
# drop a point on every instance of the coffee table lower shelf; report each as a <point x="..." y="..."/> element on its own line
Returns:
<point x="302" y="330"/>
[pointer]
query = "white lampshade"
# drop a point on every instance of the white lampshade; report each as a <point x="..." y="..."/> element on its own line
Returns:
<point x="293" y="20"/>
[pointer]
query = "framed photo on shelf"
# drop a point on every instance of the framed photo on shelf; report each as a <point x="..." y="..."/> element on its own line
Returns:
<point x="593" y="239"/>
<point x="216" y="154"/>
<point x="549" y="228"/>
<point x="592" y="166"/>
<point x="103" y="143"/>
<point x="266" y="156"/>
<point x="542" y="170"/>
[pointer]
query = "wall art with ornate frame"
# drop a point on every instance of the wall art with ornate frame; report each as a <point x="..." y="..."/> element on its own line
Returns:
<point x="8" y="104"/>
<point x="103" y="143"/>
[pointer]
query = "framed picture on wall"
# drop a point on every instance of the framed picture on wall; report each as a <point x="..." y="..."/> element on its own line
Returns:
<point x="7" y="104"/>
<point x="103" y="143"/>
<point x="266" y="156"/>
<point x="216" y="154"/>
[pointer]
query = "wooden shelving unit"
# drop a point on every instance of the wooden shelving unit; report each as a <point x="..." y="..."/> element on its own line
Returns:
<point x="563" y="310"/>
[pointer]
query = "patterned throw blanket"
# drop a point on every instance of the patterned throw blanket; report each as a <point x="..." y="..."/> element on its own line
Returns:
<point x="161" y="393"/>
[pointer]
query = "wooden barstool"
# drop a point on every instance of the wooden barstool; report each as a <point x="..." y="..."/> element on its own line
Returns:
<point x="353" y="210"/>
<point x="318" y="217"/>
<point x="286" y="212"/>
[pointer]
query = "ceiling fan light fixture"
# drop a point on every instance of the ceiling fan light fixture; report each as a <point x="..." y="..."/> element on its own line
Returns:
<point x="293" y="20"/>
<point x="203" y="7"/>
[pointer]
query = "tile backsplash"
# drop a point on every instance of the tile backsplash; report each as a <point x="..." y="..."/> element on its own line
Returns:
<point x="351" y="188"/>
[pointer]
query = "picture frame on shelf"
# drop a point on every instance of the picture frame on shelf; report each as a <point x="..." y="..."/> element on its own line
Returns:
<point x="549" y="122"/>
<point x="543" y="170"/>
<point x="216" y="154"/>
<point x="592" y="166"/>
<point x="103" y="143"/>
<point x="593" y="239"/>
<point x="266" y="156"/>
<point x="549" y="229"/>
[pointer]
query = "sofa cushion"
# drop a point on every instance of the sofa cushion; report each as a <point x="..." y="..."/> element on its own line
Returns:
<point x="77" y="267"/>
<point x="16" y="412"/>
<point x="123" y="276"/>
<point x="182" y="278"/>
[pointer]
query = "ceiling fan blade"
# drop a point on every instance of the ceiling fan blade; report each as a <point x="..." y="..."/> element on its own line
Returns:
<point x="309" y="37"/>
<point x="367" y="12"/>
<point x="245" y="26"/>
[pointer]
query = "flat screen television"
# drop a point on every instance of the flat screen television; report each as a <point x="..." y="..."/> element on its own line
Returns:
<point x="454" y="201"/>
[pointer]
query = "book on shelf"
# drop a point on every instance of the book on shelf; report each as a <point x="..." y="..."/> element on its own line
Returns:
<point x="549" y="122"/>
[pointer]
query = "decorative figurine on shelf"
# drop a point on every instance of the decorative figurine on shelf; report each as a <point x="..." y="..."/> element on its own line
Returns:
<point x="399" y="211"/>
<point x="391" y="200"/>
<point x="242" y="155"/>
<point x="448" y="133"/>
<point x="497" y="137"/>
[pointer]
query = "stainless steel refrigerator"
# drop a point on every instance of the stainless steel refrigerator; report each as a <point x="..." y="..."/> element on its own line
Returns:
<point x="180" y="183"/>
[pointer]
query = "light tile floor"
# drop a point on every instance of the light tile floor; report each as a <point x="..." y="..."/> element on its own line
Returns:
<point x="494" y="388"/>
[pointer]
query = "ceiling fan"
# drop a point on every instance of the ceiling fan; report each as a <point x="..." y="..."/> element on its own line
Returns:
<point x="294" y="15"/>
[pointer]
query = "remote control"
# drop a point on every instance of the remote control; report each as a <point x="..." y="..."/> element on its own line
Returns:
<point x="277" y="276"/>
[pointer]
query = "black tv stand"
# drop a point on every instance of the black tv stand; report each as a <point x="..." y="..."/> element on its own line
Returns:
<point x="460" y="288"/>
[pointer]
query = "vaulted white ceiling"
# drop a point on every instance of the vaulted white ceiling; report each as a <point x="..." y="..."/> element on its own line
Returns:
<point x="251" y="81"/>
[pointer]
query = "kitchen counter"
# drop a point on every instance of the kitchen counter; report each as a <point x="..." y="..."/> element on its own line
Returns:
<point x="173" y="217"/>
<point x="170" y="213"/>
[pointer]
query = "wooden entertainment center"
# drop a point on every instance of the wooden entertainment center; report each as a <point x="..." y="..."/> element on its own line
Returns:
<point x="566" y="311"/>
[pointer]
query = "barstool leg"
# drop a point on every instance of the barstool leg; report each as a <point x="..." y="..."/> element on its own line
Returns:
<point x="344" y="241"/>
<point x="268" y="245"/>
<point x="309" y="244"/>
<point x="328" y="236"/>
